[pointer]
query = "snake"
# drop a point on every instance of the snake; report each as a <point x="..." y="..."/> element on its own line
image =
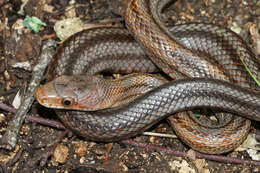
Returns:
<point x="123" y="122"/>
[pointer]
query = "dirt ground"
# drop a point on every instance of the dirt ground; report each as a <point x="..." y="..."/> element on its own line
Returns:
<point x="75" y="154"/>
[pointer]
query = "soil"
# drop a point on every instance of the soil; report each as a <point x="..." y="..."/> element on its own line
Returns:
<point x="18" y="44"/>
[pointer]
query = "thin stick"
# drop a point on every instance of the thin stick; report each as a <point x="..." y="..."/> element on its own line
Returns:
<point x="30" y="118"/>
<point x="218" y="158"/>
<point x="10" y="137"/>
<point x="160" y="135"/>
<point x="44" y="121"/>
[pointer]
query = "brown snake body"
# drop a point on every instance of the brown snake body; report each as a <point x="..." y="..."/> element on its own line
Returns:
<point x="227" y="68"/>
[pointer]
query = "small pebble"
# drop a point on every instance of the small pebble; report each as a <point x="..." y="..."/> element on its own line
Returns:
<point x="60" y="154"/>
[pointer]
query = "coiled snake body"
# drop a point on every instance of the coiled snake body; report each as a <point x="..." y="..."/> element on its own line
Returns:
<point x="214" y="53"/>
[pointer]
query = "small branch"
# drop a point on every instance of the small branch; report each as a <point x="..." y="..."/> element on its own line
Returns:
<point x="35" y="119"/>
<point x="44" y="121"/>
<point x="218" y="158"/>
<point x="10" y="137"/>
<point x="159" y="135"/>
<point x="7" y="108"/>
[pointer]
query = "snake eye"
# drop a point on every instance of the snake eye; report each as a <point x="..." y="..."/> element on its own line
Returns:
<point x="67" y="101"/>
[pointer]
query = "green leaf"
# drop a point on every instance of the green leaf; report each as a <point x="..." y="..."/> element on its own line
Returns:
<point x="33" y="23"/>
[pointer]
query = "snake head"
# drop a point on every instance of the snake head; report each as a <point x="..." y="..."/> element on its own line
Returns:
<point x="71" y="92"/>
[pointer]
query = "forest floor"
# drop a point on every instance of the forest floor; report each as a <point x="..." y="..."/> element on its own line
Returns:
<point x="19" y="44"/>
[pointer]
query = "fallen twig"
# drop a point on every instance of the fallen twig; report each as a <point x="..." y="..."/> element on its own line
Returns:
<point x="218" y="158"/>
<point x="30" y="118"/>
<point x="10" y="137"/>
<point x="45" y="121"/>
<point x="160" y="135"/>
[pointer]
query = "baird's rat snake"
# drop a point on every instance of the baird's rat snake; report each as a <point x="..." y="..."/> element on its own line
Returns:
<point x="210" y="52"/>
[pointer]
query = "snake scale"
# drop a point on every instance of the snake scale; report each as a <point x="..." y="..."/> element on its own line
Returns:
<point x="189" y="50"/>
